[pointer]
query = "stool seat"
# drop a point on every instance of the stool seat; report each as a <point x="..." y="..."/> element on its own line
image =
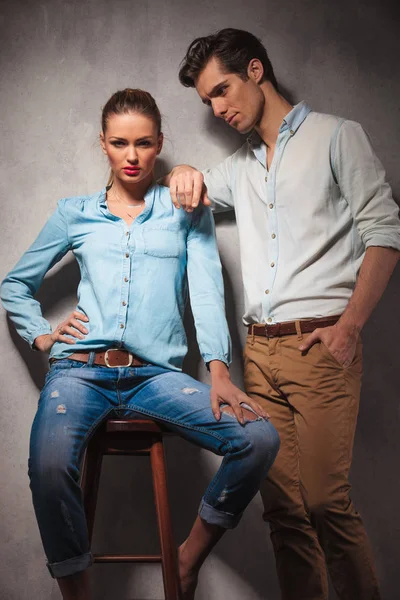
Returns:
<point x="133" y="437"/>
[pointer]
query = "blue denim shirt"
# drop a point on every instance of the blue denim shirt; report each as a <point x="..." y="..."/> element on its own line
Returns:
<point x="134" y="280"/>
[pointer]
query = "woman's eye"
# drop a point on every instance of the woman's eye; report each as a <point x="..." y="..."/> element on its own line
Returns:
<point x="145" y="144"/>
<point x="118" y="144"/>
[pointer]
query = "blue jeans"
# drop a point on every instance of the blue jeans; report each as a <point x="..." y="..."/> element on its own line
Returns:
<point x="78" y="396"/>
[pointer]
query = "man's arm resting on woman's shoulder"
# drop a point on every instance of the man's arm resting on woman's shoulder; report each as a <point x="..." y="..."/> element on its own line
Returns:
<point x="212" y="187"/>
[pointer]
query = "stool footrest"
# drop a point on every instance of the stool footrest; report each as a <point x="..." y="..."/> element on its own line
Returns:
<point x="122" y="558"/>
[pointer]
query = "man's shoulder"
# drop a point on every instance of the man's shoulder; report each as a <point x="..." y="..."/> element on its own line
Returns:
<point x="326" y="121"/>
<point x="332" y="127"/>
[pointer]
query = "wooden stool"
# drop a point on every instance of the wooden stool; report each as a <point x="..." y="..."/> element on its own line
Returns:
<point x="135" y="437"/>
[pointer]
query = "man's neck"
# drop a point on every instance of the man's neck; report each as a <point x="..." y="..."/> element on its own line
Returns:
<point x="276" y="107"/>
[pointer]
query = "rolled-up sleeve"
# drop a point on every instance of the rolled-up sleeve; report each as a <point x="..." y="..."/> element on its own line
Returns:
<point x="206" y="289"/>
<point x="23" y="281"/>
<point x="219" y="185"/>
<point x="363" y="184"/>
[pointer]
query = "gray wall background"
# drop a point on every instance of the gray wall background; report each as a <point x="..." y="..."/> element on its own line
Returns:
<point x="60" y="61"/>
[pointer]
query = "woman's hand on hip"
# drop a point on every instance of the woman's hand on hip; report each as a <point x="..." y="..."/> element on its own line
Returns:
<point x="71" y="326"/>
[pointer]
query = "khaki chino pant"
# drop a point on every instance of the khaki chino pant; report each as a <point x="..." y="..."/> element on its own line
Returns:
<point x="313" y="402"/>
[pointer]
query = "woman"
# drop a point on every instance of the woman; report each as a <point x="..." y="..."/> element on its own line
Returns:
<point x="137" y="256"/>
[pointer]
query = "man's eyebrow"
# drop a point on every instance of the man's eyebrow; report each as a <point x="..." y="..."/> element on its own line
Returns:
<point x="214" y="91"/>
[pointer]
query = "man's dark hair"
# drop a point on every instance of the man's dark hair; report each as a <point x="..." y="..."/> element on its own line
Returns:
<point x="233" y="48"/>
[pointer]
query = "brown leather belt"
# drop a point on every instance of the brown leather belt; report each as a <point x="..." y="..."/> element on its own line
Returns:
<point x="289" y="327"/>
<point x="113" y="357"/>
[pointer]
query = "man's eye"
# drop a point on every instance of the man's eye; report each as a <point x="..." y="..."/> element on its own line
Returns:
<point x="222" y="90"/>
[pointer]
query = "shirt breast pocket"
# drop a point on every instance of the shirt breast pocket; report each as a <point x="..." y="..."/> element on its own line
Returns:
<point x="161" y="242"/>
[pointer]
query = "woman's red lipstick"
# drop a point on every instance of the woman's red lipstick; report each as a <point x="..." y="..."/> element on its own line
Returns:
<point x="131" y="170"/>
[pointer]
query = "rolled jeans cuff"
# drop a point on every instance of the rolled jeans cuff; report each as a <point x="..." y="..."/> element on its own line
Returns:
<point x="218" y="517"/>
<point x="70" y="566"/>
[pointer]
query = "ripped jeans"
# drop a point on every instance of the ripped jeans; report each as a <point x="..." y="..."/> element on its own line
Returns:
<point x="78" y="396"/>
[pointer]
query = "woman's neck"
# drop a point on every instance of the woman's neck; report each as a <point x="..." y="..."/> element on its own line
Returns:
<point x="130" y="193"/>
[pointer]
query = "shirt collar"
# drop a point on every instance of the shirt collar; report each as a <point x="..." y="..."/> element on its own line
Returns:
<point x="149" y="198"/>
<point x="295" y="118"/>
<point x="291" y="123"/>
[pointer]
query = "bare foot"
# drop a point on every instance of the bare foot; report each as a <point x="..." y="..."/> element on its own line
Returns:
<point x="187" y="577"/>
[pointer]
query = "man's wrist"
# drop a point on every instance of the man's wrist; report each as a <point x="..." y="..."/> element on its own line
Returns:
<point x="179" y="168"/>
<point x="349" y="322"/>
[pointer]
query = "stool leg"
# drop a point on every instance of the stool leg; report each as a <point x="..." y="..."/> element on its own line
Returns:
<point x="90" y="482"/>
<point x="168" y="550"/>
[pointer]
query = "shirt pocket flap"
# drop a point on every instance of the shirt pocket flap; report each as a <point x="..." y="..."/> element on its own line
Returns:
<point x="162" y="242"/>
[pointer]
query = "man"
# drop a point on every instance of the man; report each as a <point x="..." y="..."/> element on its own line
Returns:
<point x="319" y="238"/>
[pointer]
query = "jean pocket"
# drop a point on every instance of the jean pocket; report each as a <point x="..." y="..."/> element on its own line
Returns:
<point x="65" y="363"/>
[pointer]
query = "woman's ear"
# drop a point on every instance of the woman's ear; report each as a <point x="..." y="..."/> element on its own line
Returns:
<point x="160" y="142"/>
<point x="103" y="142"/>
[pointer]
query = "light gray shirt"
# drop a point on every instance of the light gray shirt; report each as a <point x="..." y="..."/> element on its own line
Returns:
<point x="304" y="225"/>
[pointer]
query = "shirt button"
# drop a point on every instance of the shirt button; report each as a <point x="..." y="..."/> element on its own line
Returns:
<point x="126" y="279"/>
<point x="127" y="255"/>
<point x="291" y="132"/>
<point x="272" y="264"/>
<point x="126" y="232"/>
<point x="267" y="291"/>
<point x="266" y="178"/>
<point x="271" y="205"/>
<point x="124" y="303"/>
<point x="269" y="320"/>
<point x="273" y="236"/>
<point x="121" y="326"/>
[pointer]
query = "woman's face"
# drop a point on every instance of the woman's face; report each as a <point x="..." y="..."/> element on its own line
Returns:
<point x="131" y="143"/>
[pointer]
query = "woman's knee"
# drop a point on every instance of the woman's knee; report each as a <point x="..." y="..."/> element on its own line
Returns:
<point x="266" y="441"/>
<point x="259" y="439"/>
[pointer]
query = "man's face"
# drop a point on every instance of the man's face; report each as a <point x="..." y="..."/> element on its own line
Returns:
<point x="240" y="103"/>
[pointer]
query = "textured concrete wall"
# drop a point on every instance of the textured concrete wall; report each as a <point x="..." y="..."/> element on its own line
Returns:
<point x="60" y="61"/>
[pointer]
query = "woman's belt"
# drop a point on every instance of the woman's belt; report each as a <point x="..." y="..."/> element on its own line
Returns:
<point x="113" y="357"/>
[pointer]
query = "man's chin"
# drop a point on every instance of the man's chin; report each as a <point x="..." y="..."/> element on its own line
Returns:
<point x="242" y="128"/>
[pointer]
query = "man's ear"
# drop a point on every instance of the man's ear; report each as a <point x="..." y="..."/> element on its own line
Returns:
<point x="255" y="70"/>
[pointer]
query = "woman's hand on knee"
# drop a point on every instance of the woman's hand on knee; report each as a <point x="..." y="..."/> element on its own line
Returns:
<point x="223" y="391"/>
<point x="67" y="332"/>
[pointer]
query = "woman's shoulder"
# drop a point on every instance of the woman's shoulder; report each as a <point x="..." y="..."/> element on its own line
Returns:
<point x="73" y="203"/>
<point x="179" y="214"/>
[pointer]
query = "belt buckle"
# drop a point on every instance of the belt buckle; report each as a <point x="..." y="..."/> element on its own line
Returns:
<point x="117" y="350"/>
<point x="273" y="328"/>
